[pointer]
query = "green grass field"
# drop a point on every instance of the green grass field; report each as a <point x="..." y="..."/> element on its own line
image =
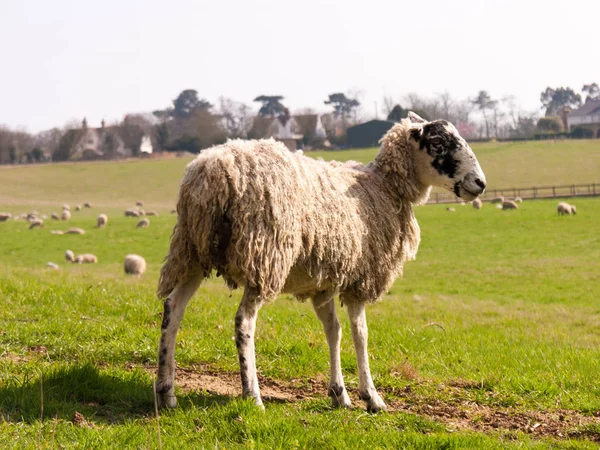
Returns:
<point x="491" y="339"/>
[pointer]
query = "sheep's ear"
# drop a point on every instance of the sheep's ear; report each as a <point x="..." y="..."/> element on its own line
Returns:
<point x="415" y="118"/>
<point x="416" y="133"/>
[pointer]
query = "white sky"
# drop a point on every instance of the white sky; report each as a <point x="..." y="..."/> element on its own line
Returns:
<point x="62" y="60"/>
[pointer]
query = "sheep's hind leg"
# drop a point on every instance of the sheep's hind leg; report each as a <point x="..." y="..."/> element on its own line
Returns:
<point x="174" y="307"/>
<point x="324" y="306"/>
<point x="360" y="335"/>
<point x="245" y="325"/>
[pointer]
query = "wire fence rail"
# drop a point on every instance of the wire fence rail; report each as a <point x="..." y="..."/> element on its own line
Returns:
<point x="529" y="193"/>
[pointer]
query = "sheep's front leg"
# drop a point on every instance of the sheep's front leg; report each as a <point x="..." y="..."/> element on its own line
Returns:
<point x="245" y="325"/>
<point x="360" y="335"/>
<point x="324" y="306"/>
<point x="174" y="308"/>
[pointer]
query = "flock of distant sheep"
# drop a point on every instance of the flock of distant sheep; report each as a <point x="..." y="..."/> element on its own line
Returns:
<point x="563" y="209"/>
<point x="133" y="264"/>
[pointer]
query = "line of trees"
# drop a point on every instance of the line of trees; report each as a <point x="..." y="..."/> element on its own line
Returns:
<point x="192" y="123"/>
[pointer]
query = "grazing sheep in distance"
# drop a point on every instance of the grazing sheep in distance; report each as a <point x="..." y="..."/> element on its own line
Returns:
<point x="477" y="203"/>
<point x="565" y="209"/>
<point x="134" y="265"/>
<point x="66" y="214"/>
<point x="102" y="220"/>
<point x="87" y="205"/>
<point x="31" y="217"/>
<point x="131" y="213"/>
<point x="451" y="209"/>
<point x="141" y="212"/>
<point x="78" y="208"/>
<point x="86" y="258"/>
<point x="509" y="204"/>
<point x="4" y="216"/>
<point x="70" y="256"/>
<point x="173" y="211"/>
<point x="57" y="232"/>
<point x="140" y="204"/>
<point x="66" y="207"/>
<point x="152" y="213"/>
<point x="52" y="266"/>
<point x="36" y="223"/>
<point x="144" y="223"/>
<point x="75" y="231"/>
<point x="276" y="222"/>
<point x="55" y="216"/>
<point x="518" y="200"/>
<point x="497" y="200"/>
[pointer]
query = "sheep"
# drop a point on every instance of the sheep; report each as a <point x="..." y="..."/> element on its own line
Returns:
<point x="4" y="216"/>
<point x="173" y="211"/>
<point x="32" y="217"/>
<point x="451" y="209"/>
<point x="564" y="209"/>
<point x="87" y="205"/>
<point x="134" y="265"/>
<point x="497" y="200"/>
<point x="276" y="222"/>
<point x="101" y="221"/>
<point x="55" y="216"/>
<point x="518" y="200"/>
<point x="59" y="232"/>
<point x="86" y="258"/>
<point x="69" y="256"/>
<point x="131" y="213"/>
<point x="573" y="209"/>
<point x="152" y="213"/>
<point x="78" y="208"/>
<point x="144" y="223"/>
<point x="509" y="204"/>
<point x="51" y="265"/>
<point x="140" y="204"/>
<point x="141" y="212"/>
<point x="66" y="207"/>
<point x="66" y="215"/>
<point x="36" y="223"/>
<point x="75" y="231"/>
<point x="477" y="203"/>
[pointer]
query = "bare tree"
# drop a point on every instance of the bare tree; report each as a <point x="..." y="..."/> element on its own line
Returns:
<point x="237" y="117"/>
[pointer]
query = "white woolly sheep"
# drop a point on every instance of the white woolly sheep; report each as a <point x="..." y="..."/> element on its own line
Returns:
<point x="51" y="265"/>
<point x="131" y="213"/>
<point x="36" y="223"/>
<point x="563" y="209"/>
<point x="55" y="216"/>
<point x="497" y="200"/>
<point x="451" y="209"/>
<point x="140" y="204"/>
<point x="477" y="203"/>
<point x="4" y="216"/>
<point x="66" y="207"/>
<point x="70" y="256"/>
<point x="134" y="265"/>
<point x="518" y="200"/>
<point x="75" y="231"/>
<point x="144" y="223"/>
<point x="102" y="220"/>
<point x="66" y="214"/>
<point x="78" y="208"/>
<point x="509" y="204"/>
<point x="276" y="222"/>
<point x="86" y="258"/>
<point x="32" y="217"/>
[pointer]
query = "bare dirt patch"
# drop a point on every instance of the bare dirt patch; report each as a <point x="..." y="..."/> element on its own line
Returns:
<point x="459" y="415"/>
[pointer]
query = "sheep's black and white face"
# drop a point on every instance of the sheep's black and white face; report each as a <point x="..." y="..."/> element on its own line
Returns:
<point x="444" y="158"/>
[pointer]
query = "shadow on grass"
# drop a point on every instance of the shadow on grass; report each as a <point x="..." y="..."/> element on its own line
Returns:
<point x="101" y="395"/>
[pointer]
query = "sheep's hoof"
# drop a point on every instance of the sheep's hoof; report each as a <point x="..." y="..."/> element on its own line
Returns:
<point x="166" y="400"/>
<point x="374" y="403"/>
<point x="339" y="397"/>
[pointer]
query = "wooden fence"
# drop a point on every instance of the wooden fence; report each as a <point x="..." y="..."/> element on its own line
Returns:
<point x="530" y="193"/>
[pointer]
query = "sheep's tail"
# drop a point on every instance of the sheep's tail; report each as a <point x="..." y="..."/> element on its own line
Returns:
<point x="199" y="215"/>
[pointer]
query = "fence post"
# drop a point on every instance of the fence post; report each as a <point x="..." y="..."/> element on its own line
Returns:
<point x="594" y="185"/>
<point x="554" y="191"/>
<point x="437" y="197"/>
<point x="534" y="192"/>
<point x="573" y="189"/>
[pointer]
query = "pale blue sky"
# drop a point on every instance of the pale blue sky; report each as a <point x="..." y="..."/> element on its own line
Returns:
<point x="62" y="60"/>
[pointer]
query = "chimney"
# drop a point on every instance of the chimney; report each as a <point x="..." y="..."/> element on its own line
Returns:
<point x="103" y="123"/>
<point x="565" y="112"/>
<point x="84" y="123"/>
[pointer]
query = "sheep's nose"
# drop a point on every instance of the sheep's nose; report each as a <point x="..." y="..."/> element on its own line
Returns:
<point x="480" y="183"/>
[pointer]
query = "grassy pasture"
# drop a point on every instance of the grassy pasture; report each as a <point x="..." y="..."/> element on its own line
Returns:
<point x="495" y="328"/>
